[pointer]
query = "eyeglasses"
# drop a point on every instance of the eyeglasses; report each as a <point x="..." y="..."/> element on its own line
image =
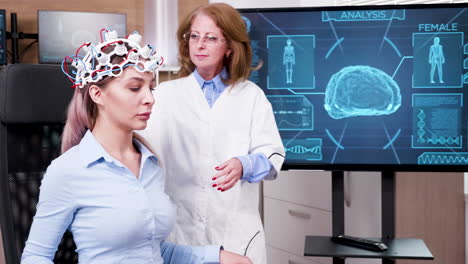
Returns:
<point x="209" y="38"/>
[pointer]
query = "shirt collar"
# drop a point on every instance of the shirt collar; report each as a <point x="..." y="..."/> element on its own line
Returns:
<point x="217" y="80"/>
<point x="92" y="151"/>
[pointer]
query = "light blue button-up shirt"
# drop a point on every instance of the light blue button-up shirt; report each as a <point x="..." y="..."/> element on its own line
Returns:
<point x="255" y="167"/>
<point x="114" y="216"/>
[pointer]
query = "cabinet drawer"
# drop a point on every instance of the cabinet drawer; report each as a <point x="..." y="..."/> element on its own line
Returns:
<point x="286" y="224"/>
<point x="309" y="188"/>
<point x="277" y="256"/>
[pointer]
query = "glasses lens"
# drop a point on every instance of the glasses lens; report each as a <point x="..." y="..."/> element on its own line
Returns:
<point x="211" y="38"/>
<point x="191" y="37"/>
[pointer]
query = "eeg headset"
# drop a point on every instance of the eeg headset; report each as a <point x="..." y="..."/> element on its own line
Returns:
<point x="96" y="64"/>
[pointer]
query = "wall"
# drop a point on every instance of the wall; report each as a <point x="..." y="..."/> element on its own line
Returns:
<point x="431" y="206"/>
<point x="27" y="15"/>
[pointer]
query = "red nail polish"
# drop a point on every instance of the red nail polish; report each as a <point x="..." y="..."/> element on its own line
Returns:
<point x="214" y="185"/>
<point x="219" y="188"/>
<point x="214" y="178"/>
<point x="222" y="190"/>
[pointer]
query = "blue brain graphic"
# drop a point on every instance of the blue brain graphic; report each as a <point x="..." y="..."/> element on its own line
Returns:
<point x="361" y="91"/>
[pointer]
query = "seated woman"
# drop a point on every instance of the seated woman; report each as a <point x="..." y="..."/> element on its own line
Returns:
<point x="107" y="187"/>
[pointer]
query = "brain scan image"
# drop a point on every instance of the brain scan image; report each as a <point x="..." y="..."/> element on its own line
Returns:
<point x="361" y="91"/>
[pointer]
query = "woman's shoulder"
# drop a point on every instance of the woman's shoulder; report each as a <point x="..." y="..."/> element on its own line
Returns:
<point x="249" y="87"/>
<point x="60" y="172"/>
<point x="68" y="161"/>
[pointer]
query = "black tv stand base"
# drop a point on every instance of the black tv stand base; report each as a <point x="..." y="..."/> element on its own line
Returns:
<point x="397" y="248"/>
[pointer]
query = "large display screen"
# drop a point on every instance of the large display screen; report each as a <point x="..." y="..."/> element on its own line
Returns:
<point x="373" y="87"/>
<point x="3" y="37"/>
<point x="61" y="33"/>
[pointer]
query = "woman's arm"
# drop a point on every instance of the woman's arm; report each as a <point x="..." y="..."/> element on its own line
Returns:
<point x="174" y="254"/>
<point x="53" y="216"/>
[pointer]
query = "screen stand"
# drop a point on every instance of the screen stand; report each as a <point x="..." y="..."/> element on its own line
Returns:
<point x="338" y="223"/>
<point x="398" y="248"/>
<point x="14" y="35"/>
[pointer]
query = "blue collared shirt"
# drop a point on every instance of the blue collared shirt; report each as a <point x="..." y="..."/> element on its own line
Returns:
<point x="114" y="216"/>
<point x="256" y="166"/>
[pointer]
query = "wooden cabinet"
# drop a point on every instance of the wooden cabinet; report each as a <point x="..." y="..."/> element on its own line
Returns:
<point x="296" y="204"/>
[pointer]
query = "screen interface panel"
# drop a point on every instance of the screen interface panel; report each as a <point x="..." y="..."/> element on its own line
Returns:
<point x="377" y="85"/>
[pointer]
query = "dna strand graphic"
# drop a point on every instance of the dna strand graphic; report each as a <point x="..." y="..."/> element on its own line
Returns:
<point x="421" y="124"/>
<point x="299" y="149"/>
<point x="444" y="140"/>
<point x="443" y="158"/>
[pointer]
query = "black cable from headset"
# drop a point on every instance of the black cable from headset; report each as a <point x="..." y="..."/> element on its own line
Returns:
<point x="245" y="252"/>
<point x="276" y="153"/>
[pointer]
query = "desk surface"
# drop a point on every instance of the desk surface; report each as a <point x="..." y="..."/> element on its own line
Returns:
<point x="398" y="248"/>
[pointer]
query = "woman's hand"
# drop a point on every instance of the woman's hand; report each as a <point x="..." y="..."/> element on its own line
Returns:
<point x="227" y="257"/>
<point x="228" y="174"/>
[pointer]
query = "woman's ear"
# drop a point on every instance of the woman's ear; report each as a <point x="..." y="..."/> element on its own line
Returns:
<point x="96" y="94"/>
<point x="228" y="53"/>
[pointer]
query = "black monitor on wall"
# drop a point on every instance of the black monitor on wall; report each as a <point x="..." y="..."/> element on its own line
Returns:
<point x="62" y="32"/>
<point x="3" y="37"/>
<point x="367" y="87"/>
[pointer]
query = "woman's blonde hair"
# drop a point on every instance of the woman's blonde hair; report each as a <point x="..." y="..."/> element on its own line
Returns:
<point x="238" y="63"/>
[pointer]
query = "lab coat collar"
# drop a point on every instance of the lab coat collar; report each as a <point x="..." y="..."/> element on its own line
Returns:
<point x="219" y="85"/>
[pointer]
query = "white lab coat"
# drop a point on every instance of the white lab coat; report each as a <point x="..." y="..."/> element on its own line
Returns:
<point x="191" y="139"/>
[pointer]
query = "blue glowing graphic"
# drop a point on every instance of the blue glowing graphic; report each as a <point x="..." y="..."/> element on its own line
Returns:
<point x="361" y="91"/>
<point x="443" y="158"/>
<point x="332" y="138"/>
<point x="392" y="140"/>
<point x="363" y="15"/>
<point x="438" y="60"/>
<point x="292" y="112"/>
<point x="248" y="24"/>
<point x="333" y="47"/>
<point x="436" y="121"/>
<point x="465" y="64"/>
<point x="466" y="49"/>
<point x="393" y="46"/>
<point x="298" y="149"/>
<point x="465" y="78"/>
<point x="291" y="62"/>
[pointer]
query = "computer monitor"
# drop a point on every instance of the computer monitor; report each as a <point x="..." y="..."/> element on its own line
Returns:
<point x="3" y="47"/>
<point x="62" y="32"/>
<point x="366" y="87"/>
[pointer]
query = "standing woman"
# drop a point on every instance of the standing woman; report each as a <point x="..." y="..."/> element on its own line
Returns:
<point x="216" y="134"/>
<point x="107" y="187"/>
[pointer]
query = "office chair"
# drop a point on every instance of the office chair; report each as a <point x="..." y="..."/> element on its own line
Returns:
<point x="33" y="101"/>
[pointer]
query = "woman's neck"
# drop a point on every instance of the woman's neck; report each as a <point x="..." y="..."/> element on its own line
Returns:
<point x="209" y="74"/>
<point x="116" y="141"/>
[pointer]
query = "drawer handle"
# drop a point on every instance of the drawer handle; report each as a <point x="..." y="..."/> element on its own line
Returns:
<point x="293" y="262"/>
<point x="299" y="214"/>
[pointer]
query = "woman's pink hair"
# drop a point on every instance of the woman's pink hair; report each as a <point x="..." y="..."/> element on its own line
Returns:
<point x="82" y="111"/>
<point x="81" y="116"/>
